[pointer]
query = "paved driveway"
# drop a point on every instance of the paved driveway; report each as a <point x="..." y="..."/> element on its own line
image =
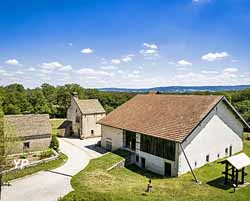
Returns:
<point x="48" y="186"/>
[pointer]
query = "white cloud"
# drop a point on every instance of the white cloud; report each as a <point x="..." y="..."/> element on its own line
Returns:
<point x="151" y="46"/>
<point x="127" y="58"/>
<point x="2" y="71"/>
<point x="214" y="56"/>
<point x="31" y="69"/>
<point x="70" y="44"/>
<point x="92" y="72"/>
<point x="51" y="66"/>
<point x="108" y="67"/>
<point x="149" y="52"/>
<point x="87" y="51"/>
<point x="19" y="72"/>
<point x="136" y="71"/>
<point x="230" y="70"/>
<point x="120" y="71"/>
<point x="13" y="62"/>
<point x="115" y="61"/>
<point x="209" y="72"/>
<point x="184" y="63"/>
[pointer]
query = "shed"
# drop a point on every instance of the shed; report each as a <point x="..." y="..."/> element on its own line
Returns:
<point x="236" y="164"/>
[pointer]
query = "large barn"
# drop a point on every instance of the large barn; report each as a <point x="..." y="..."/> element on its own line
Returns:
<point x="172" y="134"/>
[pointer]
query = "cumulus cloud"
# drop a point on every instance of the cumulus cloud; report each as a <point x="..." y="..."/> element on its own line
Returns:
<point x="209" y="72"/>
<point x="87" y="51"/>
<point x="108" y="67"/>
<point x="184" y="63"/>
<point x="230" y="70"/>
<point x="55" y="65"/>
<point x="13" y="62"/>
<point x="151" y="46"/>
<point x="214" y="56"/>
<point x="115" y="61"/>
<point x="127" y="58"/>
<point x="149" y="52"/>
<point x="93" y="72"/>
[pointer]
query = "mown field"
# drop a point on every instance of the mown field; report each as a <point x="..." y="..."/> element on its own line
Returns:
<point x="129" y="184"/>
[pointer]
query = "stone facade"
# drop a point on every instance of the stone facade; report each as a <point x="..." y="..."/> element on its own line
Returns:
<point x="84" y="114"/>
<point x="33" y="132"/>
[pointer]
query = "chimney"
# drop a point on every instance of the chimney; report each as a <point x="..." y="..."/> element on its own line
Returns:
<point x="153" y="92"/>
<point x="75" y="94"/>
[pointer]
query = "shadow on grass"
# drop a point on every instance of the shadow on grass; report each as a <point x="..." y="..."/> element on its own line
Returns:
<point x="219" y="183"/>
<point x="143" y="172"/>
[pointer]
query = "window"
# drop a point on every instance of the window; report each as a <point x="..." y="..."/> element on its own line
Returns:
<point x="218" y="155"/>
<point x="158" y="147"/>
<point x="109" y="145"/>
<point x="137" y="158"/>
<point x="92" y="132"/>
<point x="26" y="145"/>
<point x="207" y="158"/>
<point x="226" y="151"/>
<point x="230" y="150"/>
<point x="77" y="119"/>
<point x="195" y="163"/>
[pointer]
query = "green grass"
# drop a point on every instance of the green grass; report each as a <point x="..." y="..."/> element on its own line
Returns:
<point x="129" y="184"/>
<point x="45" y="166"/>
<point x="55" y="123"/>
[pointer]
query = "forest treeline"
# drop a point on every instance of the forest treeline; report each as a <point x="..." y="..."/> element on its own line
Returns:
<point x="54" y="100"/>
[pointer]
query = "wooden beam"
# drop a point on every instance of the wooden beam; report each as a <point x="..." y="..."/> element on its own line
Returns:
<point x="237" y="175"/>
<point x="226" y="173"/>
<point x="242" y="175"/>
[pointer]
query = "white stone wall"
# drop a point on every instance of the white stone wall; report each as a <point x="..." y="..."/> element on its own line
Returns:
<point x="73" y="112"/>
<point x="89" y="123"/>
<point x="218" y="131"/>
<point x="113" y="135"/>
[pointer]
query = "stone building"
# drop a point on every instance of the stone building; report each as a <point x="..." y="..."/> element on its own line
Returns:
<point x="33" y="131"/>
<point x="83" y="115"/>
<point x="173" y="134"/>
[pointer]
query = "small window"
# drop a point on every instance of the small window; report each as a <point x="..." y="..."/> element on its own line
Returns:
<point x="207" y="158"/>
<point x="26" y="145"/>
<point x="226" y="151"/>
<point x="109" y="145"/>
<point x="218" y="155"/>
<point x="195" y="163"/>
<point x="230" y="150"/>
<point x="92" y="132"/>
<point x="137" y="158"/>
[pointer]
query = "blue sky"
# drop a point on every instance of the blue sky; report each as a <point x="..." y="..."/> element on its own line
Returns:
<point x="125" y="43"/>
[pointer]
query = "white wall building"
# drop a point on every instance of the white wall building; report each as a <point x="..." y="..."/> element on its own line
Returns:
<point x="167" y="133"/>
<point x="83" y="115"/>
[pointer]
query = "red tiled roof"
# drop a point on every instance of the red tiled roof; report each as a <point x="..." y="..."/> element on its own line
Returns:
<point x="170" y="117"/>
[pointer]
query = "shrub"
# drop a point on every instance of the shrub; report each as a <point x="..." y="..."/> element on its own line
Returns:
<point x="54" y="144"/>
<point x="46" y="154"/>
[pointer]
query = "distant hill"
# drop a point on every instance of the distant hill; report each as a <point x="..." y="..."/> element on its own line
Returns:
<point x="180" y="89"/>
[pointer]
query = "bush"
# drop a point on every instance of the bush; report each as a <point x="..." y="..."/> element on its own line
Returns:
<point x="54" y="144"/>
<point x="46" y="154"/>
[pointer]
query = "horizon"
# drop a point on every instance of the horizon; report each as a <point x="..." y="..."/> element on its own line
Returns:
<point x="125" y="44"/>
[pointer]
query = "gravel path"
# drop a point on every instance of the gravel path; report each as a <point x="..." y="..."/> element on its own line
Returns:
<point x="49" y="185"/>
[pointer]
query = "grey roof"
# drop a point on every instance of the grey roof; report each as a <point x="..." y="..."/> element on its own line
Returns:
<point x="65" y="124"/>
<point x="90" y="106"/>
<point x="29" y="124"/>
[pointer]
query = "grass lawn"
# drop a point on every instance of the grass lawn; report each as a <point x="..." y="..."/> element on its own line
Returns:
<point x="55" y="123"/>
<point x="45" y="166"/>
<point x="127" y="184"/>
